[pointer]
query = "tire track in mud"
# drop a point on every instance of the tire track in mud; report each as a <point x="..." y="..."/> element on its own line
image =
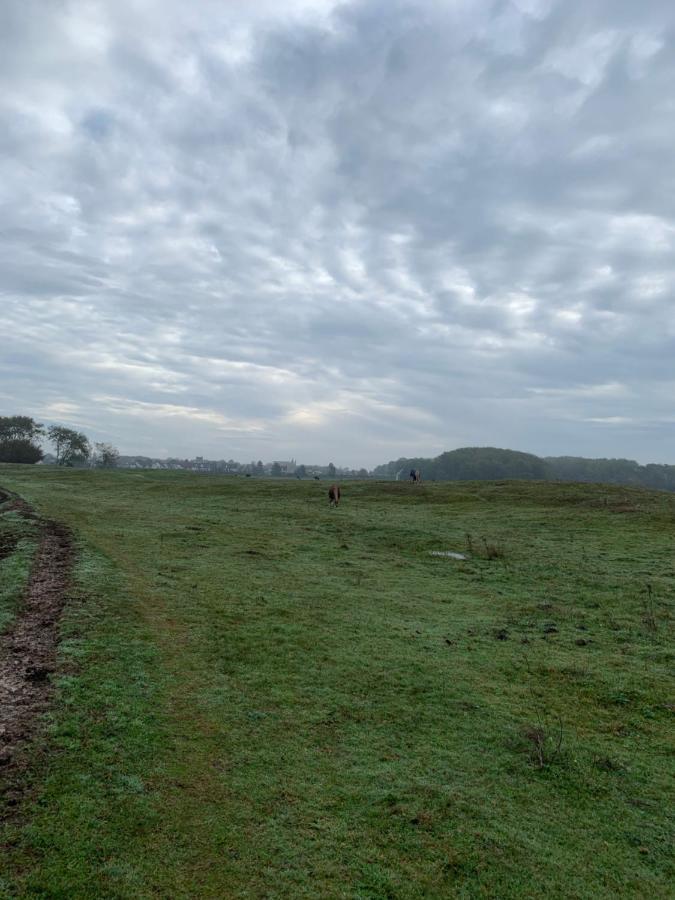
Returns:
<point x="28" y="646"/>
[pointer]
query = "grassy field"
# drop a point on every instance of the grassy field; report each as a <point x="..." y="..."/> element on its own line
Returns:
<point x="259" y="696"/>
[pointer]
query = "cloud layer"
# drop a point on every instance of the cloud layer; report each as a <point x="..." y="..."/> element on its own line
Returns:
<point x="346" y="231"/>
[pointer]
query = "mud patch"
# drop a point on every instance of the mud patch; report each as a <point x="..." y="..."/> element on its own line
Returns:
<point x="28" y="647"/>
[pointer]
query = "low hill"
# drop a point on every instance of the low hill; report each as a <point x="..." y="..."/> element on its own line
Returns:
<point x="471" y="464"/>
<point x="489" y="463"/>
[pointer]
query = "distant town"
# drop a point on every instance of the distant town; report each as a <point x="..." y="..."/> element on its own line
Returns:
<point x="276" y="468"/>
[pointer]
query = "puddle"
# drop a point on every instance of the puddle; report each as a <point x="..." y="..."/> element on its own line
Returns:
<point x="449" y="553"/>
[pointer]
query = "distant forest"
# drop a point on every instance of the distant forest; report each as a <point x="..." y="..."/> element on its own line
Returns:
<point x="478" y="463"/>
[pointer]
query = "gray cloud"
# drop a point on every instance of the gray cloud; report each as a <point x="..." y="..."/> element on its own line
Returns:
<point x="340" y="230"/>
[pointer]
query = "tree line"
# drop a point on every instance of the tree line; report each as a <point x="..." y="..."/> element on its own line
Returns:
<point x="489" y="463"/>
<point x="21" y="441"/>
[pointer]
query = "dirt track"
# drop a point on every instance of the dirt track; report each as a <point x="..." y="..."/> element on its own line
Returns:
<point x="28" y="646"/>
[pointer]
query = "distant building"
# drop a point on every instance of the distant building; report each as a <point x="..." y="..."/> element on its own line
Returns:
<point x="287" y="467"/>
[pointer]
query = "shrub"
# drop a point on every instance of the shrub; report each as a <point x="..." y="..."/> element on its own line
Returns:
<point x="20" y="451"/>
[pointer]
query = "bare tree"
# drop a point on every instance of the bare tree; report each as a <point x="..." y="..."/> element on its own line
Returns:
<point x="105" y="456"/>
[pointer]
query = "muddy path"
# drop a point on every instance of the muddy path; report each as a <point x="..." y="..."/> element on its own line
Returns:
<point x="28" y="646"/>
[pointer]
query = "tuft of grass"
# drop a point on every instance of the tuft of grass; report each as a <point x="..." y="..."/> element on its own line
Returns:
<point x="493" y="549"/>
<point x="650" y="609"/>
<point x="543" y="745"/>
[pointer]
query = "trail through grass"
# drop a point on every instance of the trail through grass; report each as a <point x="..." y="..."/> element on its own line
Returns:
<point x="264" y="697"/>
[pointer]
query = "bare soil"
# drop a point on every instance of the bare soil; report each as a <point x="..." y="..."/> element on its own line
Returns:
<point x="28" y="647"/>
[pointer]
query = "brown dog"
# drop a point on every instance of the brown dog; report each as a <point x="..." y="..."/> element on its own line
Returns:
<point x="334" y="494"/>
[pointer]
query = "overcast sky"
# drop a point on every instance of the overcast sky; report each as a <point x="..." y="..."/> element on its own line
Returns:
<point x="345" y="231"/>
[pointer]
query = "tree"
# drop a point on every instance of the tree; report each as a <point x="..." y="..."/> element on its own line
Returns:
<point x="276" y="469"/>
<point x="301" y="471"/>
<point x="106" y="456"/>
<point x="71" y="446"/>
<point x="331" y="470"/>
<point x="20" y="451"/>
<point x="259" y="468"/>
<point x="19" y="439"/>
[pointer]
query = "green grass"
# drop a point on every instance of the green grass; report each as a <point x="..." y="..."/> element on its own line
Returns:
<point x="18" y="543"/>
<point x="263" y="697"/>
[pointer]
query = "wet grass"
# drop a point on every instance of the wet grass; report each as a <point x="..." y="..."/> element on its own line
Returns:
<point x="263" y="697"/>
<point x="18" y="543"/>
